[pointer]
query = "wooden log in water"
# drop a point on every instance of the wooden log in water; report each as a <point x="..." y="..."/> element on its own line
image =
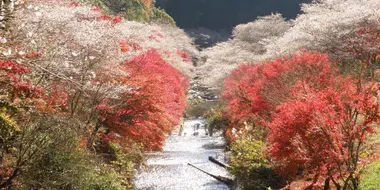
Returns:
<point x="222" y="179"/>
<point x="217" y="162"/>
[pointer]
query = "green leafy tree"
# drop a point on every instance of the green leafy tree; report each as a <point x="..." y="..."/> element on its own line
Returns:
<point x="251" y="166"/>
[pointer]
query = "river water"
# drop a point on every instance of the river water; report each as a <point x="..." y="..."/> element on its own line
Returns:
<point x="169" y="169"/>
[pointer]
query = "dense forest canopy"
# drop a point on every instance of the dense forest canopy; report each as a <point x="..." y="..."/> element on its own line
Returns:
<point x="225" y="14"/>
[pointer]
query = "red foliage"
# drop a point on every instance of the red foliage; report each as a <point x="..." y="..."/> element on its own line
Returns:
<point x="152" y="106"/>
<point x="317" y="119"/>
<point x="185" y="56"/>
<point x="252" y="91"/>
<point x="323" y="130"/>
<point x="96" y="8"/>
<point x="105" y="17"/>
<point x="113" y="19"/>
<point x="157" y="33"/>
<point x="12" y="82"/>
<point x="17" y="91"/>
<point x="54" y="99"/>
<point x="364" y="46"/>
<point x="33" y="55"/>
<point x="15" y="85"/>
<point x="126" y="45"/>
<point x="82" y="143"/>
<point x="74" y="4"/>
<point x="117" y="19"/>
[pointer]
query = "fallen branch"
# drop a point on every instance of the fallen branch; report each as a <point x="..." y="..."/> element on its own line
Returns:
<point x="222" y="179"/>
<point x="217" y="162"/>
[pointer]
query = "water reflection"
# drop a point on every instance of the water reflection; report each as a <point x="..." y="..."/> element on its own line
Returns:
<point x="168" y="170"/>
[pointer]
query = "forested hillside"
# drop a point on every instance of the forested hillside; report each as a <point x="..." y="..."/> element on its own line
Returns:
<point x="301" y="97"/>
<point x="85" y="90"/>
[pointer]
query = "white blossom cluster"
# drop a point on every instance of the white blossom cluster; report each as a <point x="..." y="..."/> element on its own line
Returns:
<point x="173" y="40"/>
<point x="75" y="41"/>
<point x="248" y="45"/>
<point x="329" y="26"/>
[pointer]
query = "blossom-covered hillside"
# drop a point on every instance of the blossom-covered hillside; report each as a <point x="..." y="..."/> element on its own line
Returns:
<point x="84" y="92"/>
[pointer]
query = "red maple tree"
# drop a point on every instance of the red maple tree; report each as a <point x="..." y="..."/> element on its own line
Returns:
<point x="152" y="106"/>
<point x="318" y="120"/>
<point x="251" y="92"/>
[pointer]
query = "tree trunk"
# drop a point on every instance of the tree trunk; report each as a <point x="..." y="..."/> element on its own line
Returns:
<point x="327" y="184"/>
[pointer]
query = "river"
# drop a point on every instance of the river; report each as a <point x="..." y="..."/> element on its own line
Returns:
<point x="169" y="169"/>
